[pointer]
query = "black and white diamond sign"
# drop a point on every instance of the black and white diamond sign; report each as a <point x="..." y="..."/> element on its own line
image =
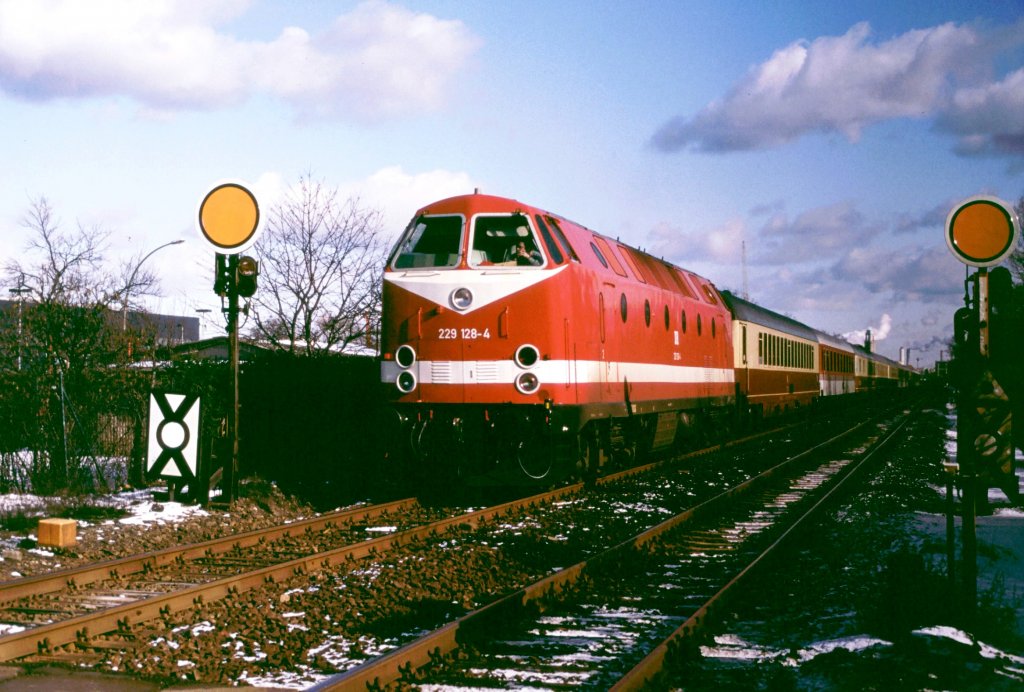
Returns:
<point x="173" y="450"/>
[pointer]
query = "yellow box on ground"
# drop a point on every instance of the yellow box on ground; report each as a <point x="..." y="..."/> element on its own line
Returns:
<point x="57" y="533"/>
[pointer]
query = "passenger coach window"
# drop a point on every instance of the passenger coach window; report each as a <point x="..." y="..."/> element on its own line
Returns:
<point x="432" y="241"/>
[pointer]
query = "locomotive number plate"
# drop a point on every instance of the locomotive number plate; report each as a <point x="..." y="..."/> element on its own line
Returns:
<point x="464" y="333"/>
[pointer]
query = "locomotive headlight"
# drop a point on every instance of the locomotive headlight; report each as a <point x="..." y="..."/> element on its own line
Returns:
<point x="461" y="298"/>
<point x="406" y="381"/>
<point x="527" y="356"/>
<point x="527" y="383"/>
<point x="405" y="356"/>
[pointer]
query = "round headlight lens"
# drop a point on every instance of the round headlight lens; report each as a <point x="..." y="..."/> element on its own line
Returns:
<point x="461" y="298"/>
<point x="405" y="356"/>
<point x="527" y="356"/>
<point x="527" y="383"/>
<point x="406" y="381"/>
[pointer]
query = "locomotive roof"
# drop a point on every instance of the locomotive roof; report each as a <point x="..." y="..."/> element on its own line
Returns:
<point x="749" y="312"/>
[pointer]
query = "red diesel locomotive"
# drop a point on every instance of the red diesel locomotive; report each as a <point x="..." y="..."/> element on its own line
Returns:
<point x="520" y="343"/>
<point x="519" y="346"/>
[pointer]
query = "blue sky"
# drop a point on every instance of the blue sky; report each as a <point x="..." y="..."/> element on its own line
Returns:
<point x="831" y="139"/>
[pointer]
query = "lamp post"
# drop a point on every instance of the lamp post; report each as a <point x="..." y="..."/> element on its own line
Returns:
<point x="20" y="290"/>
<point x="131" y="280"/>
<point x="202" y="312"/>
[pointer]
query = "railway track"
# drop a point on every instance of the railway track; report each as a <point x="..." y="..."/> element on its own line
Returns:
<point x="588" y="624"/>
<point x="71" y="608"/>
<point x="132" y="605"/>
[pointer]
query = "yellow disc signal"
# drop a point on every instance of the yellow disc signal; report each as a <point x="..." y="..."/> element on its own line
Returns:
<point x="982" y="231"/>
<point x="229" y="217"/>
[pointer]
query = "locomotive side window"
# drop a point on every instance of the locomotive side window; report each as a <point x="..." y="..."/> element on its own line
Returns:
<point x="562" y="239"/>
<point x="506" y="241"/>
<point x="433" y="241"/>
<point x="698" y="324"/>
<point x="680" y="280"/>
<point x="631" y="264"/>
<point x="666" y="318"/>
<point x="623" y="306"/>
<point x="606" y="251"/>
<point x="600" y="257"/>
<point x="553" y="249"/>
<point x="713" y="328"/>
<point x="682" y="322"/>
<point x="647" y="312"/>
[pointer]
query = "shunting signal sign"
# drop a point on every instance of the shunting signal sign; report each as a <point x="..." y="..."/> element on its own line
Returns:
<point x="173" y="450"/>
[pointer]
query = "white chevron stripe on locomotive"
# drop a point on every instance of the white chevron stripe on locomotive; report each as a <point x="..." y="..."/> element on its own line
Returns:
<point x="487" y="285"/>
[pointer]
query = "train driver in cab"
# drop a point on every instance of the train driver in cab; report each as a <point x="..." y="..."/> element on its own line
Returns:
<point x="527" y="257"/>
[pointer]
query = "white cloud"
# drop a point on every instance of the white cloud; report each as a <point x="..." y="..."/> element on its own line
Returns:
<point x="398" y="194"/>
<point x="379" y="60"/>
<point x="988" y="119"/>
<point x="815" y="235"/>
<point x="842" y="84"/>
<point x="879" y="332"/>
<point x="720" y="244"/>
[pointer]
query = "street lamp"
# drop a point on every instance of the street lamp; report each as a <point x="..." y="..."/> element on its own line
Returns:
<point x="202" y="312"/>
<point x="20" y="290"/>
<point x="131" y="280"/>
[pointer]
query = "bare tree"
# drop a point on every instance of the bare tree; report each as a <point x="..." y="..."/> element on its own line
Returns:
<point x="63" y="341"/>
<point x="321" y="264"/>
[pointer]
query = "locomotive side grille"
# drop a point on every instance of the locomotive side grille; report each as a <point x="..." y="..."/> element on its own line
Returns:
<point x="486" y="371"/>
<point x="441" y="371"/>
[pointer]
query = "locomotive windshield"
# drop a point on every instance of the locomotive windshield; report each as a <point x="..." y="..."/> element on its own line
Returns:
<point x="505" y="241"/>
<point x="430" y="242"/>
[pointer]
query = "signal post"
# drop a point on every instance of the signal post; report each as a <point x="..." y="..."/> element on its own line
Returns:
<point x="229" y="218"/>
<point x="980" y="232"/>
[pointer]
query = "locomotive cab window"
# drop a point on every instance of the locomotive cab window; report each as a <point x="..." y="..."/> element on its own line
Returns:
<point x="504" y="241"/>
<point x="430" y="242"/>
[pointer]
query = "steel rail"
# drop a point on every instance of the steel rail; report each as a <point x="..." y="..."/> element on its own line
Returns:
<point x="45" y="638"/>
<point x="87" y="574"/>
<point x="399" y="663"/>
<point x="644" y="671"/>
